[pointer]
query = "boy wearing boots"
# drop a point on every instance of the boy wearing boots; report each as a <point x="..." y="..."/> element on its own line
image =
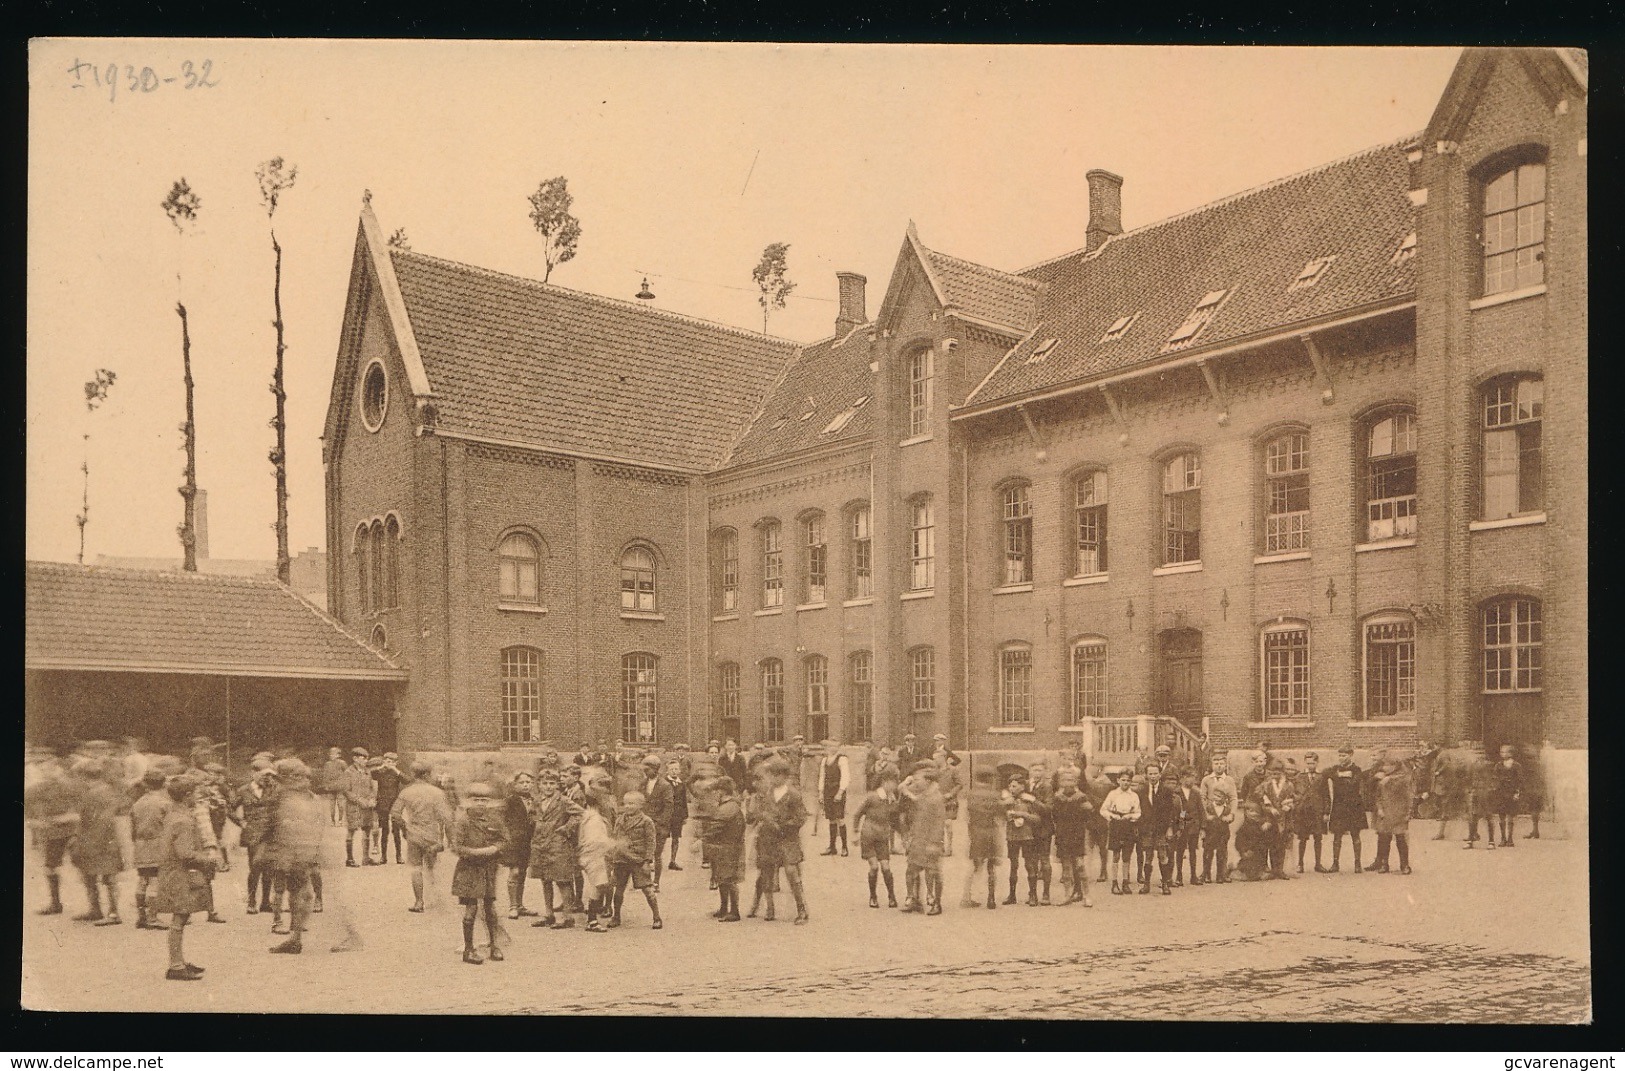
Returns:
<point x="254" y="801"/>
<point x="1020" y="830"/>
<point x="725" y="844"/>
<point x="834" y="780"/>
<point x="1042" y="787"/>
<point x="553" y="850"/>
<point x="1309" y="813"/>
<point x="294" y="839"/>
<point x="51" y="804"/>
<point x="636" y="856"/>
<point x="1345" y="809"/>
<point x="1192" y="815"/>
<point x="1069" y="810"/>
<point x="1159" y="826"/>
<point x="928" y="815"/>
<point x="1219" y="793"/>
<point x="478" y="839"/>
<point x="423" y="813"/>
<point x="876" y="820"/>
<point x="595" y="842"/>
<point x="1506" y="794"/>
<point x="1121" y="810"/>
<point x="779" y="832"/>
<point x="148" y="816"/>
<point x="360" y="807"/>
<point x="984" y="813"/>
<point x="96" y="850"/>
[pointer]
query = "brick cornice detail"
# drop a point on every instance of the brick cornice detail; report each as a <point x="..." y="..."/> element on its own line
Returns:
<point x="633" y="472"/>
<point x="517" y="456"/>
<point x="811" y="479"/>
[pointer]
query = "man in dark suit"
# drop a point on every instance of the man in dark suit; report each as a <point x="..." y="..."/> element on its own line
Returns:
<point x="584" y="756"/>
<point x="732" y="764"/>
<point x="908" y="756"/>
<point x="1160" y="810"/>
<point x="657" y="805"/>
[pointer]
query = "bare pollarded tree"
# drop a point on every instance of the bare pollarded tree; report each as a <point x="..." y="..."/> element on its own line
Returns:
<point x="275" y="178"/>
<point x="181" y="206"/>
<point x="95" y="394"/>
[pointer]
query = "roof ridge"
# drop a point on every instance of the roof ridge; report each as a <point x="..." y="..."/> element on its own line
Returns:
<point x="1021" y="280"/>
<point x="600" y="298"/>
<point x="184" y="575"/>
<point x="747" y="426"/>
<point x="1229" y="199"/>
<point x="337" y="625"/>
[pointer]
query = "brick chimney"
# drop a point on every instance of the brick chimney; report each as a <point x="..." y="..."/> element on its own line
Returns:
<point x="200" y="524"/>
<point x="854" y="306"/>
<point x="1105" y="208"/>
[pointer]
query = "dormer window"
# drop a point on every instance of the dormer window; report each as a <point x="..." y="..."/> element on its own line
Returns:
<point x="1311" y="274"/>
<point x="1406" y="250"/>
<point x="1199" y="317"/>
<point x="844" y="417"/>
<point x="1043" y="350"/>
<point x="1119" y="328"/>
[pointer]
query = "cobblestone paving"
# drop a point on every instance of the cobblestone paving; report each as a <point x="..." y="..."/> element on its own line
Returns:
<point x="1470" y="936"/>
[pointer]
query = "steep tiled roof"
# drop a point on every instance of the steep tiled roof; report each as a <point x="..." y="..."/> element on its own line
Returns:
<point x="514" y="359"/>
<point x="985" y="293"/>
<point x="825" y="380"/>
<point x="1253" y="245"/>
<point x="85" y="617"/>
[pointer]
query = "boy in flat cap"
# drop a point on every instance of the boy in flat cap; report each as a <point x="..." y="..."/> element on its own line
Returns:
<point x="360" y="807"/>
<point x="1345" y="806"/>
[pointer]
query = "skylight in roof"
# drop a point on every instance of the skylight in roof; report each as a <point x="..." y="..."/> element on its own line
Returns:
<point x="1042" y="350"/>
<point x="1311" y="274"/>
<point x="781" y="422"/>
<point x="812" y="407"/>
<point x="1119" y="327"/>
<point x="1199" y="317"/>
<point x="1407" y="249"/>
<point x="844" y="417"/>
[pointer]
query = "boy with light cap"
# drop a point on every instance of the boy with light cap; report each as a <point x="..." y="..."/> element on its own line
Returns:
<point x="422" y="812"/>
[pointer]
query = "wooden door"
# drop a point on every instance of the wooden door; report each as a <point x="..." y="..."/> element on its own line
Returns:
<point x="1181" y="659"/>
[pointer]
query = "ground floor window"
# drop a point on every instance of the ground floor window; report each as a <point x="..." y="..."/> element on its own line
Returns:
<point x="1390" y="668"/>
<point x="521" y="695"/>
<point x="1286" y="672"/>
<point x="639" y="698"/>
<point x="1088" y="679"/>
<point x="1016" y="685"/>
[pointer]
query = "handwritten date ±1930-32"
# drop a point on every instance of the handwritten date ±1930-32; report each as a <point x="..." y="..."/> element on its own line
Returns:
<point x="114" y="79"/>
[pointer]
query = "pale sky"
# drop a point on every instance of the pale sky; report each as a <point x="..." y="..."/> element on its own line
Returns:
<point x="684" y="160"/>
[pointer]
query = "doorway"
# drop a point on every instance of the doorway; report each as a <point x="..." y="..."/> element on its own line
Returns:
<point x="1180" y="656"/>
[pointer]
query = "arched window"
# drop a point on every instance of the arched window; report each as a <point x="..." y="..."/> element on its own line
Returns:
<point x="1285" y="663"/>
<point x="363" y="568"/>
<point x="725" y="572"/>
<point x="772" y="700"/>
<point x="520" y="569"/>
<point x="860" y="552"/>
<point x="638" y="580"/>
<point x="772" y="565"/>
<point x="380" y="638"/>
<point x="1512" y="408"/>
<point x="521" y="695"/>
<point x="816" y="561"/>
<point x="1016" y="533"/>
<point x="1182" y="509"/>
<point x="1513" y="639"/>
<point x="392" y="562"/>
<point x="1390" y="667"/>
<point x="817" y="671"/>
<point x="1016" y="684"/>
<point x="728" y="699"/>
<point x="1286" y="493"/>
<point x="380" y="597"/>
<point x="1515" y="228"/>
<point x="861" y="696"/>
<point x="921" y="372"/>
<point x="922" y="675"/>
<point x="922" y="572"/>
<point x="639" y="697"/>
<point x="1390" y="476"/>
<point x="1089" y="523"/>
<point x="1088" y="678"/>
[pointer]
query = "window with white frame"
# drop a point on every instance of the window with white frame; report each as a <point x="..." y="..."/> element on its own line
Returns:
<point x="1286" y="493"/>
<point x="1089" y="524"/>
<point x="1513" y="408"/>
<point x="1390" y="667"/>
<point x="1088" y="679"/>
<point x="1286" y="671"/>
<point x="1199" y="318"/>
<point x="922" y="573"/>
<point x="772" y="700"/>
<point x="817" y="670"/>
<point x="1515" y="229"/>
<point x="860" y="551"/>
<point x="861" y="695"/>
<point x="726" y="566"/>
<point x="814" y="581"/>
<point x="1016" y="685"/>
<point x="521" y="695"/>
<point x="1016" y="520"/>
<point x="920" y="374"/>
<point x="1182" y="509"/>
<point x="922" y="673"/>
<point x="519" y="569"/>
<point x="1512" y="643"/>
<point x="639" y="697"/>
<point x="772" y="565"/>
<point x="1390" y="476"/>
<point x="638" y="580"/>
<point x="728" y="698"/>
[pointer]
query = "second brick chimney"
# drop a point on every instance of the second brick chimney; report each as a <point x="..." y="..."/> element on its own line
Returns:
<point x="854" y="306"/>
<point x="1105" y="208"/>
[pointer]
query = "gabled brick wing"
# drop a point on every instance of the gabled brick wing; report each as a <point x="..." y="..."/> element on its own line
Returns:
<point x="985" y="293"/>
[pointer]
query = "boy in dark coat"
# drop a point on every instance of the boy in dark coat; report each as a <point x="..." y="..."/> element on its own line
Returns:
<point x="516" y="814"/>
<point x="479" y="837"/>
<point x="389" y="779"/>
<point x="1188" y="842"/>
<point x="1160" y="819"/>
<point x="1345" y="810"/>
<point x="1070" y="809"/>
<point x="636" y="856"/>
<point x="725" y="845"/>
<point x="254" y="802"/>
<point x="1021" y="824"/>
<point x="928" y="815"/>
<point x="876" y="819"/>
<point x="678" y="775"/>
<point x="96" y="850"/>
<point x="778" y="835"/>
<point x="1309" y="813"/>
<point x="553" y="849"/>
<point x="184" y="869"/>
<point x="1504" y="796"/>
<point x="148" y="816"/>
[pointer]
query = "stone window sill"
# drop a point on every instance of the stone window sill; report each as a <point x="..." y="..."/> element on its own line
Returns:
<point x="642" y="615"/>
<point x="1012" y="729"/>
<point x="1182" y="567"/>
<point x="810" y="606"/>
<point x="772" y="611"/>
<point x="1012" y="589"/>
<point x="1287" y="556"/>
<point x="1507" y="522"/>
<point x="916" y="440"/>
<point x="867" y="600"/>
<point x="1280" y="725"/>
<point x="1071" y="728"/>
<point x="1382" y="723"/>
<point x="1510" y="295"/>
<point x="734" y="616"/>
<point x="1084" y="581"/>
<point x="1384" y="544"/>
<point x="521" y="608"/>
<point x="909" y="596"/>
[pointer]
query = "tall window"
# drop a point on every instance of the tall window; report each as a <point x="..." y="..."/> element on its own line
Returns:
<point x="728" y="698"/>
<point x="922" y="674"/>
<point x="1286" y="672"/>
<point x="638" y="580"/>
<point x="1515" y="229"/>
<point x="1390" y="477"/>
<point x="392" y="562"/>
<point x="861" y="695"/>
<point x="1089" y="524"/>
<point x="1088" y="679"/>
<point x="772" y="565"/>
<point x="1016" y="685"/>
<point x="922" y="574"/>
<point x="727" y="571"/>
<point x="363" y="567"/>
<point x="521" y="695"/>
<point x="1390" y="667"/>
<point x="817" y="669"/>
<point x="772" y="700"/>
<point x="639" y="697"/>
<point x="379" y="595"/>
<point x="1182" y="510"/>
<point x="1512" y="645"/>
<point x="519" y="573"/>
<point x="817" y="561"/>
<point x="920" y="374"/>
<point x="1017" y="522"/>
<point x="1286" y="493"/>
<point x="862" y="553"/>
<point x="1512" y="413"/>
